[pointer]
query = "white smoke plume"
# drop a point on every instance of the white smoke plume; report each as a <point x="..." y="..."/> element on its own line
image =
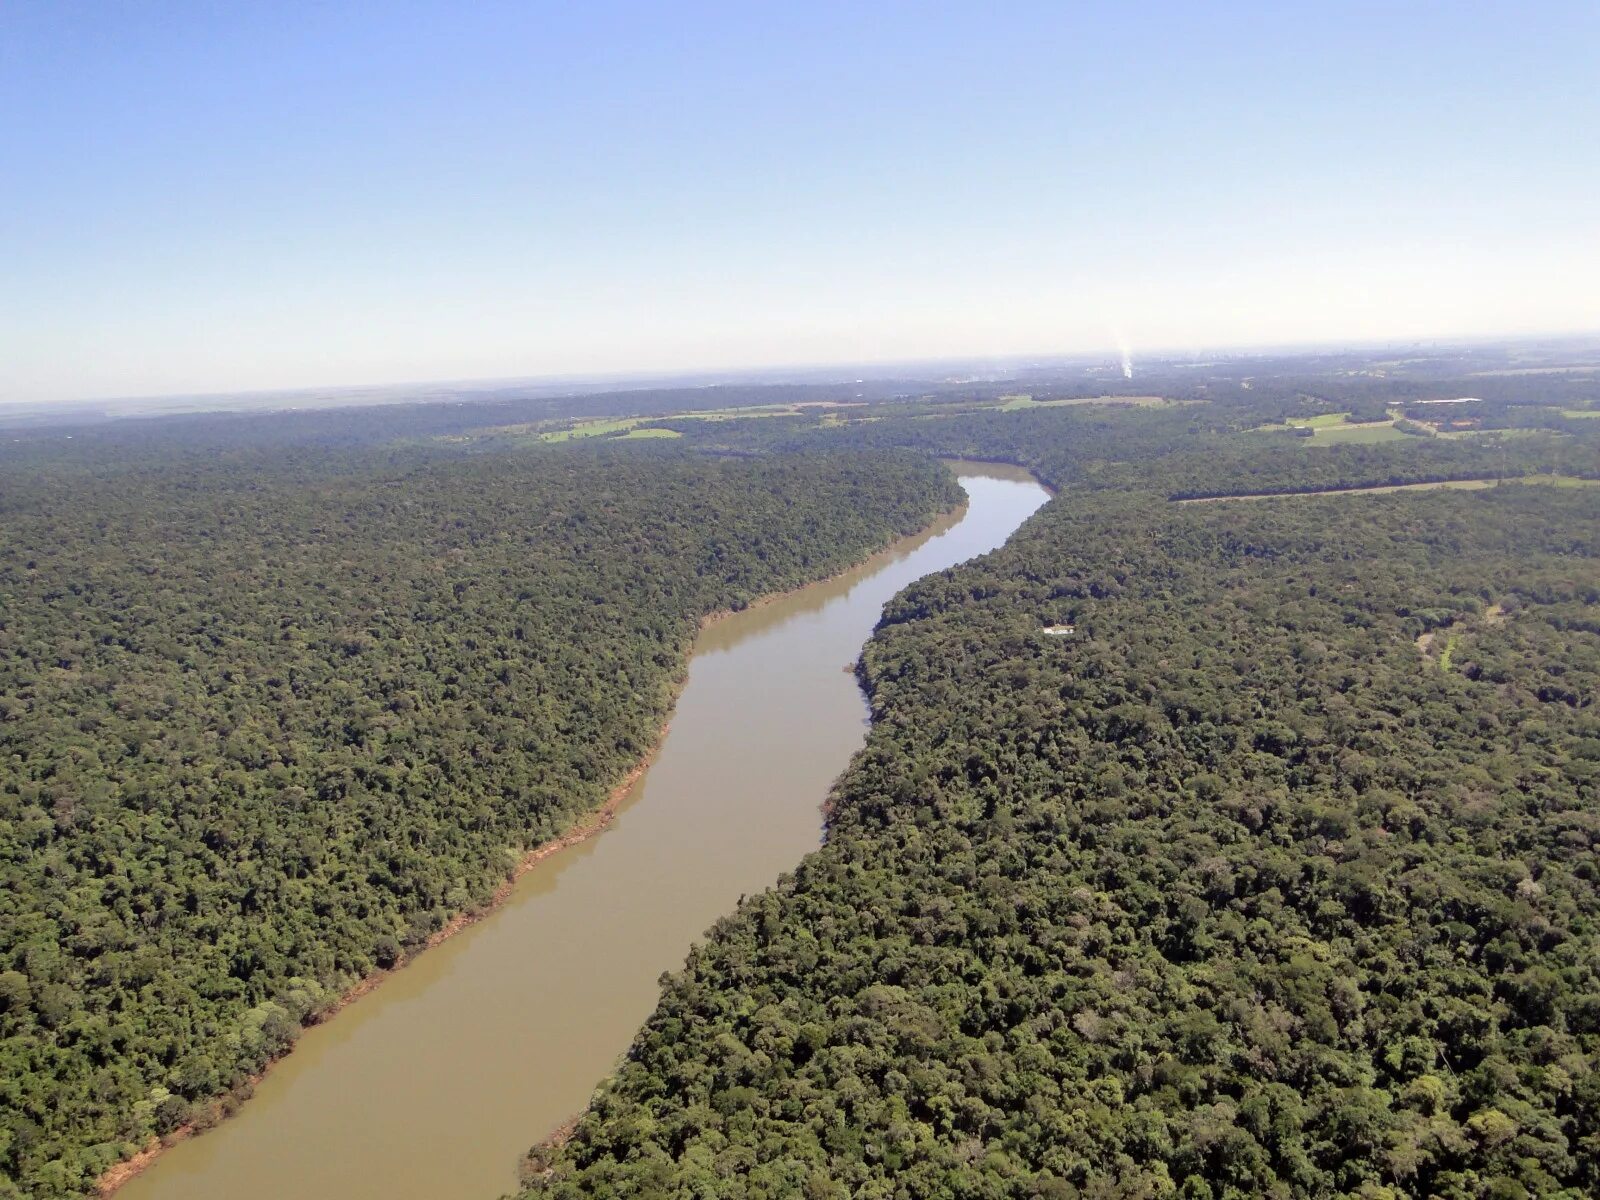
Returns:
<point x="1127" y="352"/>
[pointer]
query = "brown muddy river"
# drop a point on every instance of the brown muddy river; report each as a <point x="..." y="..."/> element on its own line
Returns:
<point x="433" y="1086"/>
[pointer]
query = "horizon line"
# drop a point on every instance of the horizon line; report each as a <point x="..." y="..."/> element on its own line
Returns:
<point x="642" y="379"/>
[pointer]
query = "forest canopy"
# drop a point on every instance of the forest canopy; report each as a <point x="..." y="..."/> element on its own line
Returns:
<point x="1276" y="877"/>
<point x="267" y="726"/>
<point x="1269" y="872"/>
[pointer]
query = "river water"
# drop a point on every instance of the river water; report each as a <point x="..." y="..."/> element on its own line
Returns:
<point x="434" y="1085"/>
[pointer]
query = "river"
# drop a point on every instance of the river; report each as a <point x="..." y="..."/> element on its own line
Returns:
<point x="434" y="1085"/>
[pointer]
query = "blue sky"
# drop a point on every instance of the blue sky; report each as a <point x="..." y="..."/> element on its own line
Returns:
<point x="213" y="197"/>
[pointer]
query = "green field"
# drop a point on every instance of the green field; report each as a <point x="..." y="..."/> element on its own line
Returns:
<point x="1356" y="435"/>
<point x="626" y="428"/>
<point x="1014" y="403"/>
<point x="1336" y="429"/>
<point x="740" y="414"/>
<point x="590" y="429"/>
<point x="622" y="430"/>
<point x="1332" y="429"/>
<point x="1320" y="421"/>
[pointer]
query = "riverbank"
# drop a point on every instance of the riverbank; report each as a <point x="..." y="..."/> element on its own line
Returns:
<point x="584" y="828"/>
<point x="1023" y="470"/>
<point x="532" y="1161"/>
<point x="949" y="516"/>
<point x="587" y="826"/>
<point x="435" y="1088"/>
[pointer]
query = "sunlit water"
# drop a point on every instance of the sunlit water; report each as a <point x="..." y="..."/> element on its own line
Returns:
<point x="433" y="1086"/>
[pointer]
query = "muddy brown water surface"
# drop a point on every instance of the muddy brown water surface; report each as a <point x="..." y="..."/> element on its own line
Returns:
<point x="433" y="1086"/>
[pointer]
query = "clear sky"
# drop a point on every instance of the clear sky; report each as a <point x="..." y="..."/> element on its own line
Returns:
<point x="229" y="196"/>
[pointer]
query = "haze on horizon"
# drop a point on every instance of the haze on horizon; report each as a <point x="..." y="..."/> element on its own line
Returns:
<point x="208" y="198"/>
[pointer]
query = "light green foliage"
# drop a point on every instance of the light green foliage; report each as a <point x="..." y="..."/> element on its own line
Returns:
<point x="1357" y="435"/>
<point x="588" y="429"/>
<point x="1448" y="653"/>
<point x="1337" y="429"/>
<point x="1020" y="402"/>
<point x="1320" y="421"/>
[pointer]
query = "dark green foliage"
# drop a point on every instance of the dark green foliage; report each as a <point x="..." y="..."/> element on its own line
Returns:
<point x="1234" y="893"/>
<point x="267" y="726"/>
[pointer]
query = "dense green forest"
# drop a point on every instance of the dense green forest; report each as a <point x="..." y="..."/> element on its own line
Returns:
<point x="1206" y="448"/>
<point x="266" y="724"/>
<point x="1277" y="877"/>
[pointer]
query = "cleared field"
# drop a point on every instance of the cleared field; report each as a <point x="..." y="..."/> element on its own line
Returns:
<point x="1364" y="434"/>
<point x="1336" y="429"/>
<point x="626" y="428"/>
<point x="621" y="430"/>
<point x="1013" y="403"/>
<point x="1461" y="484"/>
<point x="1320" y="421"/>
<point x="589" y="429"/>
<point x="741" y="414"/>
<point x="1466" y="485"/>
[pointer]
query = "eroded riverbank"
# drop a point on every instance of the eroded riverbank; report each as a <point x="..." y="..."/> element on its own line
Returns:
<point x="436" y="1083"/>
